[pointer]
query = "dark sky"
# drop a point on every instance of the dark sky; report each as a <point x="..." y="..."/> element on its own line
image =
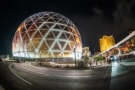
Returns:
<point x="93" y="18"/>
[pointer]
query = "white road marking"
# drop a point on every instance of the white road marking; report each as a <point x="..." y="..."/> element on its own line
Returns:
<point x="76" y="75"/>
<point x="41" y="73"/>
<point x="18" y="75"/>
<point x="56" y="75"/>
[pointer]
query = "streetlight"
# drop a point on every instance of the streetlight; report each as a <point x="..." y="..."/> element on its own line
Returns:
<point x="75" y="54"/>
<point x="40" y="57"/>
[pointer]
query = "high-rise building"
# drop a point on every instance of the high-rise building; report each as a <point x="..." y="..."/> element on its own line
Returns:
<point x="132" y="39"/>
<point x="106" y="42"/>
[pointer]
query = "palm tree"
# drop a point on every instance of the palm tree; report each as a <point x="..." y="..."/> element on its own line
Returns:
<point x="99" y="58"/>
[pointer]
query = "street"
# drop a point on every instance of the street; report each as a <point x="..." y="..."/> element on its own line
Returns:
<point x="24" y="76"/>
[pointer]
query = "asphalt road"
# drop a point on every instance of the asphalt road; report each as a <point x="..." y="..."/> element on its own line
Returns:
<point x="123" y="75"/>
<point x="24" y="76"/>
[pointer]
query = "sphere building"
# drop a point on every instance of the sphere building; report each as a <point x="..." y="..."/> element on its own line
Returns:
<point x="47" y="35"/>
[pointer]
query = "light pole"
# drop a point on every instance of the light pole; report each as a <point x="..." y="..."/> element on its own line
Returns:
<point x="75" y="54"/>
<point x="40" y="57"/>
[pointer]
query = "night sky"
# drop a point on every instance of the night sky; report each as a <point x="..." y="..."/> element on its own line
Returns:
<point x="93" y="18"/>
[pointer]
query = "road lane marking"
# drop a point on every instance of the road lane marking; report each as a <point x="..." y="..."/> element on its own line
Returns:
<point x="56" y="75"/>
<point x="10" y="67"/>
<point x="77" y="75"/>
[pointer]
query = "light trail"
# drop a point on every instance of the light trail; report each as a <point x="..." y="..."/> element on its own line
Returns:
<point x="10" y="67"/>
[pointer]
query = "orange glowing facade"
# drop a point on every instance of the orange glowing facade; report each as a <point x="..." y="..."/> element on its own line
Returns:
<point x="106" y="42"/>
<point x="47" y="35"/>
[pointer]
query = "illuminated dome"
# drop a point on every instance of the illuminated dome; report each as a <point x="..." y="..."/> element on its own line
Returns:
<point x="47" y="35"/>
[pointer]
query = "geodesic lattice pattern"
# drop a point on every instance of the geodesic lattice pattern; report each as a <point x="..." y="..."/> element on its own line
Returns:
<point x="46" y="35"/>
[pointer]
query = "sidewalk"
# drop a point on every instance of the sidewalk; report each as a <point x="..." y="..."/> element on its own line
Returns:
<point x="128" y="63"/>
<point x="99" y="64"/>
<point x="70" y="66"/>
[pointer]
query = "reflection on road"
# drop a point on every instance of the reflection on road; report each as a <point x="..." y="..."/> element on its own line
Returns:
<point x="122" y="75"/>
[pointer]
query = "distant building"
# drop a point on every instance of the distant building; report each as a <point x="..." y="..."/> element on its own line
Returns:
<point x="86" y="51"/>
<point x="106" y="42"/>
<point x="132" y="40"/>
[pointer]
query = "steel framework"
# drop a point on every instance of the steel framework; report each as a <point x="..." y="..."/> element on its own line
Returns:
<point x="46" y="35"/>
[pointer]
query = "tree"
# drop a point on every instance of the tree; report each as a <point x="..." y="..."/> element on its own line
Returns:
<point x="99" y="58"/>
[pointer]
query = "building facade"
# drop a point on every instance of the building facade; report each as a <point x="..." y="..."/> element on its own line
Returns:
<point x="86" y="51"/>
<point x="106" y="42"/>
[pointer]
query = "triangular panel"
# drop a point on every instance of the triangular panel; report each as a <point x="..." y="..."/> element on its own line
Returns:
<point x="39" y="21"/>
<point x="56" y="19"/>
<point x="27" y="26"/>
<point x="51" y="20"/>
<point x="38" y="24"/>
<point x="49" y="25"/>
<point x="43" y="46"/>
<point x="32" y="27"/>
<point x="62" y="44"/>
<point x="36" y="42"/>
<point x="62" y="36"/>
<point x="67" y="35"/>
<point x="30" y="22"/>
<point x="56" y="54"/>
<point x="66" y="29"/>
<point x="66" y="54"/>
<point x="31" y="33"/>
<point x="44" y="27"/>
<point x="30" y="47"/>
<point x="56" y="47"/>
<point x="45" y="17"/>
<point x="72" y="38"/>
<point x="49" y="42"/>
<point x="50" y="36"/>
<point x="22" y="29"/>
<point x="26" y="37"/>
<point x="43" y="32"/>
<point x="64" y="22"/>
<point x="70" y="29"/>
<point x="72" y="44"/>
<point x="62" y="27"/>
<point x="49" y="55"/>
<point x="23" y="34"/>
<point x="37" y="35"/>
<point x="67" y="47"/>
<point x="57" y="27"/>
<point x="60" y="21"/>
<point x="55" y="33"/>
